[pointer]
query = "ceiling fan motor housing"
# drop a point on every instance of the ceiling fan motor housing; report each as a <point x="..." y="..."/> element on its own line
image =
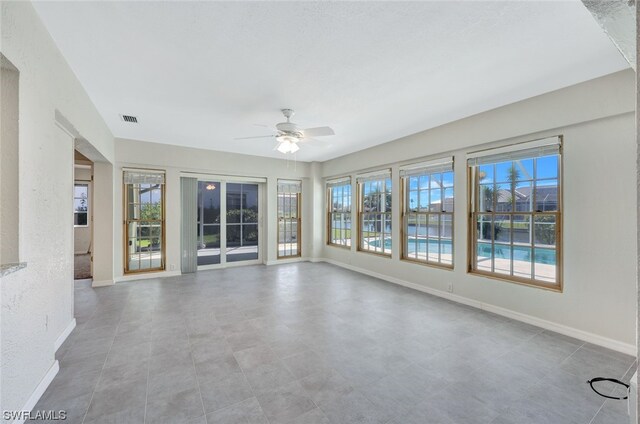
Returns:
<point x="288" y="127"/>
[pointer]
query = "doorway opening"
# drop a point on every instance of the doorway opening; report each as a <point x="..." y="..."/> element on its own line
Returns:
<point x="82" y="217"/>
<point x="229" y="228"/>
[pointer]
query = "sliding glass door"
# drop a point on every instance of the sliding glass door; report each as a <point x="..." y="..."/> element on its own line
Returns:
<point x="208" y="222"/>
<point x="242" y="222"/>
<point x="228" y="223"/>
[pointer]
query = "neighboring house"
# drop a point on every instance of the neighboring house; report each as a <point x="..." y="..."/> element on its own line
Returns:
<point x="546" y="199"/>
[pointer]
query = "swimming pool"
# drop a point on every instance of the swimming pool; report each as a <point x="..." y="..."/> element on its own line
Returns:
<point x="424" y="245"/>
<point x="520" y="253"/>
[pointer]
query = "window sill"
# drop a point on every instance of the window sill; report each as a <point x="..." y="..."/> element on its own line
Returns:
<point x="557" y="287"/>
<point x="340" y="246"/>
<point x="428" y="264"/>
<point x="379" y="254"/>
<point x="7" y="269"/>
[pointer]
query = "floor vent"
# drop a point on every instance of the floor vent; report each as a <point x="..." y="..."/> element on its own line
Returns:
<point x="129" y="118"/>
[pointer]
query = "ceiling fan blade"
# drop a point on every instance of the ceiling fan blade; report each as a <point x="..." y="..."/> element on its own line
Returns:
<point x="270" y="127"/>
<point x="258" y="136"/>
<point x="318" y="132"/>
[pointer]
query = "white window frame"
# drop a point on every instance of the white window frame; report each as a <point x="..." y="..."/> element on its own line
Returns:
<point x="86" y="184"/>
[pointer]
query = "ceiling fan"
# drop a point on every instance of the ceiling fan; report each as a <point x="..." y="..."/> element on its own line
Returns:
<point x="288" y="135"/>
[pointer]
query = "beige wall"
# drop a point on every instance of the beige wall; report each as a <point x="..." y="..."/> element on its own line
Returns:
<point x="597" y="121"/>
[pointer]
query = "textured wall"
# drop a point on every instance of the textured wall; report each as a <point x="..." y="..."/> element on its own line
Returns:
<point x="37" y="302"/>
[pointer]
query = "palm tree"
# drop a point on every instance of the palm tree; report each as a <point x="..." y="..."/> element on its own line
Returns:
<point x="487" y="193"/>
<point x="513" y="176"/>
<point x="372" y="203"/>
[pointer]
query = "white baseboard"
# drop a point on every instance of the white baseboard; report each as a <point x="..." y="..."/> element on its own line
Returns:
<point x="147" y="276"/>
<point x="286" y="261"/>
<point x="63" y="336"/>
<point x="102" y="283"/>
<point x="585" y="336"/>
<point x="40" y="389"/>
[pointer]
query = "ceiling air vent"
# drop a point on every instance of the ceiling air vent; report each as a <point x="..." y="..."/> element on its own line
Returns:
<point x="129" y="118"/>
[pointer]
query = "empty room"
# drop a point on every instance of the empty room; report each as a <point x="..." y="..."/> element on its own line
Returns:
<point x="319" y="212"/>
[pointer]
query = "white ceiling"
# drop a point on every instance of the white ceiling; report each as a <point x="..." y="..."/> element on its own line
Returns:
<point x="201" y="73"/>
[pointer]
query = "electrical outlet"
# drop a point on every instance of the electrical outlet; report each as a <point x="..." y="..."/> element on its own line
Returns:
<point x="172" y="267"/>
<point x="450" y="287"/>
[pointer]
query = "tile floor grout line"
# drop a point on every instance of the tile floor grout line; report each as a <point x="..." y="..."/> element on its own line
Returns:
<point x="572" y="353"/>
<point x="93" y="392"/>
<point x="195" y="371"/>
<point x="597" y="412"/>
<point x="146" y="398"/>
<point x="246" y="380"/>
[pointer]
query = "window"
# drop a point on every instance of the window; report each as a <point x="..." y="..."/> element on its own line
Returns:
<point x="144" y="220"/>
<point x="289" y="227"/>
<point x="516" y="213"/>
<point x="427" y="212"/>
<point x="374" y="205"/>
<point x="81" y="205"/>
<point x="339" y="212"/>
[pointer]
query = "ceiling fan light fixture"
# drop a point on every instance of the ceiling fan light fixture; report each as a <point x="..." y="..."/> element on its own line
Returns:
<point x="287" y="146"/>
<point x="283" y="147"/>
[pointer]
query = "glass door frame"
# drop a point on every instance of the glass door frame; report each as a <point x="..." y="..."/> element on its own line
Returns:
<point x="126" y="221"/>
<point x="224" y="180"/>
<point x="284" y="220"/>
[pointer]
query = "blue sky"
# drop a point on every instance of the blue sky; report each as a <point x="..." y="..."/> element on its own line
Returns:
<point x="546" y="168"/>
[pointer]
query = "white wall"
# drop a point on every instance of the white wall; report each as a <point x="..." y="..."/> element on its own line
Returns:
<point x="597" y="121"/>
<point x="174" y="159"/>
<point x="37" y="302"/>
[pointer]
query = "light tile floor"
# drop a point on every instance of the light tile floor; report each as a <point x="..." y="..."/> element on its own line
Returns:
<point x="313" y="343"/>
